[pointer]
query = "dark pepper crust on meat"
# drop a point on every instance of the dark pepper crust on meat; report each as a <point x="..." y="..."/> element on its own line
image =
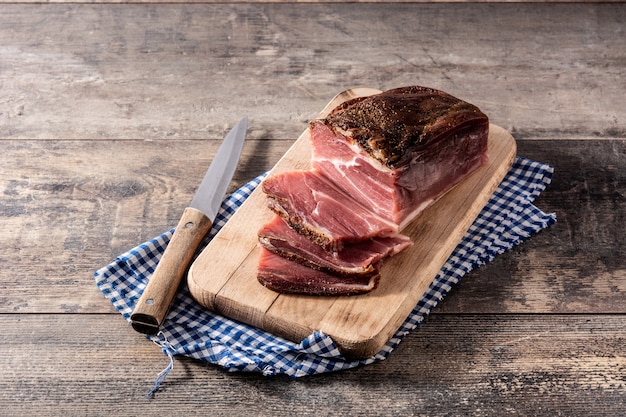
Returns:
<point x="394" y="124"/>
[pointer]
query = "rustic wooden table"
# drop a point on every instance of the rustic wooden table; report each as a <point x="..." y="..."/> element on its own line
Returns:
<point x="110" y="113"/>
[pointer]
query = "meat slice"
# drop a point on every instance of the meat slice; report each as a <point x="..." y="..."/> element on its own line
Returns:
<point x="355" y="258"/>
<point x="284" y="276"/>
<point x="317" y="209"/>
<point x="399" y="151"/>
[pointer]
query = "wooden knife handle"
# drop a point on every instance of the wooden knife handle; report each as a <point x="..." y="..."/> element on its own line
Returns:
<point x="158" y="295"/>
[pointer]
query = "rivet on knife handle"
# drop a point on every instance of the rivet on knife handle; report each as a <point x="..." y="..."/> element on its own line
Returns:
<point x="158" y="295"/>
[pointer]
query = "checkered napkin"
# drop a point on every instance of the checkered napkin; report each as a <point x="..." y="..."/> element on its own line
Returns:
<point x="508" y="218"/>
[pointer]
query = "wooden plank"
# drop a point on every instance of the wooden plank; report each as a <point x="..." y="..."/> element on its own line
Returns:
<point x="69" y="207"/>
<point x="389" y="2"/>
<point x="359" y="325"/>
<point x="186" y="71"/>
<point x="482" y="365"/>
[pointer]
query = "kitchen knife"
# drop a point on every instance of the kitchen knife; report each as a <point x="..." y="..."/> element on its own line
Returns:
<point x="195" y="223"/>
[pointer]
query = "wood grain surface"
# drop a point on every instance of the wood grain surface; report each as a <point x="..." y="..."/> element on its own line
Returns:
<point x="110" y="113"/>
<point x="528" y="365"/>
<point x="189" y="71"/>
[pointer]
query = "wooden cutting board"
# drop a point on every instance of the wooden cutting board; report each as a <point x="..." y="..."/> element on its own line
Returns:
<point x="223" y="276"/>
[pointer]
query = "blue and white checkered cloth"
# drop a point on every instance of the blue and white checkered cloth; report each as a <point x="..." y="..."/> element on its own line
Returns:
<point x="508" y="218"/>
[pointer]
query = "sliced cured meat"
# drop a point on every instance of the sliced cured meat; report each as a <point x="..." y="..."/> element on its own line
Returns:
<point x="282" y="275"/>
<point x="398" y="151"/>
<point x="356" y="258"/>
<point x="377" y="163"/>
<point x="316" y="208"/>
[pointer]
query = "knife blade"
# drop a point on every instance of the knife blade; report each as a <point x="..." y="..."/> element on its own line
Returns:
<point x="194" y="224"/>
